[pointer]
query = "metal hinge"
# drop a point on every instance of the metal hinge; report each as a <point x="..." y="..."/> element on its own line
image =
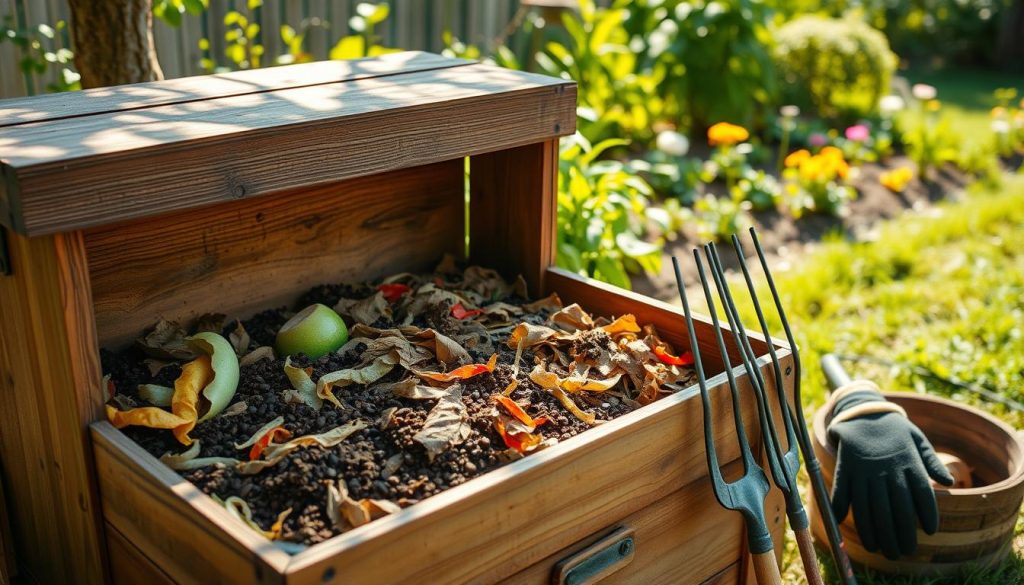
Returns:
<point x="5" y="257"/>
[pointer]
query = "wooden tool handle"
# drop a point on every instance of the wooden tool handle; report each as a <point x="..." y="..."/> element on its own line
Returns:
<point x="809" y="558"/>
<point x="766" y="569"/>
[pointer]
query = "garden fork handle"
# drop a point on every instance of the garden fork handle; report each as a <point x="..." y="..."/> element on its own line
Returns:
<point x="766" y="568"/>
<point x="808" y="556"/>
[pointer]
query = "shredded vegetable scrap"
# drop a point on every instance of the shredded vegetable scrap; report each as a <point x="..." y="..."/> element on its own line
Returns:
<point x="461" y="373"/>
<point x="394" y="291"/>
<point x="685" y="359"/>
<point x="346" y="512"/>
<point x="240" y="509"/>
<point x="274" y="452"/>
<point x="460" y="312"/>
<point x="303" y="387"/>
<point x="447" y="424"/>
<point x="190" y="459"/>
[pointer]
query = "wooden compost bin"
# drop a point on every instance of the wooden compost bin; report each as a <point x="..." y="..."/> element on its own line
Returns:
<point x="237" y="192"/>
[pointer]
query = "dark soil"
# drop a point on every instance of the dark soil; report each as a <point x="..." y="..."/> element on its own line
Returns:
<point x="785" y="239"/>
<point x="300" y="481"/>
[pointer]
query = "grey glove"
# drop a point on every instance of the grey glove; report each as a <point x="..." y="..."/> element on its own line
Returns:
<point x="883" y="465"/>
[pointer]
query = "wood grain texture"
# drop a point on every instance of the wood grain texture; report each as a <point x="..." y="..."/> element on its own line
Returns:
<point x="808" y="558"/>
<point x="48" y="363"/>
<point x="513" y="196"/>
<point x="679" y="539"/>
<point x="244" y="256"/>
<point x="104" y="168"/>
<point x="766" y="569"/>
<point x="182" y="530"/>
<point x="128" y="566"/>
<point x="729" y="576"/>
<point x="122" y="98"/>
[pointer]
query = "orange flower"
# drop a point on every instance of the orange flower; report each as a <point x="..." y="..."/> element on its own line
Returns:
<point x="998" y="112"/>
<point x="726" y="134"/>
<point x="797" y="157"/>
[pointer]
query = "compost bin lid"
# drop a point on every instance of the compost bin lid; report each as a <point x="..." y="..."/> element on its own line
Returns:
<point x="99" y="156"/>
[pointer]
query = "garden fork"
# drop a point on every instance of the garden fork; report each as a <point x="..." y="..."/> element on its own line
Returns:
<point x="784" y="465"/>
<point x="745" y="495"/>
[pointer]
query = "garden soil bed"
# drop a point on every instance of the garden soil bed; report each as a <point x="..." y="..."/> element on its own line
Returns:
<point x="387" y="465"/>
<point x="785" y="239"/>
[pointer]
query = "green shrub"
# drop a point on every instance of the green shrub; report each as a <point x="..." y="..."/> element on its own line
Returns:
<point x="840" y="67"/>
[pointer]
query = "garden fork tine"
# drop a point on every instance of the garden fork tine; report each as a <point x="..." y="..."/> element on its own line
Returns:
<point x="821" y="495"/>
<point x="785" y="463"/>
<point x="746" y="494"/>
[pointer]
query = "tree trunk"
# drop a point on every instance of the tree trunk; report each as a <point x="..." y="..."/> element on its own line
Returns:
<point x="1010" y="44"/>
<point x="113" y="42"/>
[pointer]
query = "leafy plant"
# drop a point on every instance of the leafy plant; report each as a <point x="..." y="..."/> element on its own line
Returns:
<point x="720" y="217"/>
<point x="603" y="215"/>
<point x="931" y="142"/>
<point x="38" y="52"/>
<point x="716" y="56"/>
<point x="759" y="188"/>
<point x="840" y="67"/>
<point x="172" y="11"/>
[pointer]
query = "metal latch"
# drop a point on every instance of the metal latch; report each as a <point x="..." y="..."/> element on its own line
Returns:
<point x="597" y="561"/>
<point x="5" y="256"/>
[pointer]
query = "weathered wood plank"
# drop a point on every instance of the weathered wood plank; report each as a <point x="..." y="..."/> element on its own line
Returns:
<point x="47" y="353"/>
<point x="100" y="169"/>
<point x="182" y="530"/>
<point x="513" y="197"/>
<point x="244" y="256"/>
<point x="58" y="106"/>
<point x="128" y="566"/>
<point x="678" y="539"/>
<point x="501" y="523"/>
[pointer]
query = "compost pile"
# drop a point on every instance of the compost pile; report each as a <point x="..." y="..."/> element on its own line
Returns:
<point x="442" y="377"/>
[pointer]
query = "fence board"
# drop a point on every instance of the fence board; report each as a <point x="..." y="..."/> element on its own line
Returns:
<point x="413" y="24"/>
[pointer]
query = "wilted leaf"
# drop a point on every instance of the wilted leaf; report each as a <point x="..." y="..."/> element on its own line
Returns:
<point x="365" y="311"/>
<point x="304" y="388"/>
<point x="548" y="303"/>
<point x="346" y="512"/>
<point x="239" y="339"/>
<point x="260" y="353"/>
<point x="235" y="409"/>
<point x="445" y="349"/>
<point x="167" y="341"/>
<point x="362" y="375"/>
<point x="213" y="322"/>
<point x="461" y="373"/>
<point x="259" y="433"/>
<point x="275" y="453"/>
<point x="155" y="365"/>
<point x="447" y="424"/>
<point x="411" y="388"/>
<point x="190" y="459"/>
<point x="392" y="465"/>
<point x="572" y="318"/>
<point x="240" y="509"/>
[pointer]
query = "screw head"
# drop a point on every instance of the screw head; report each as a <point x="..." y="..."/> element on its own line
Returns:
<point x="626" y="547"/>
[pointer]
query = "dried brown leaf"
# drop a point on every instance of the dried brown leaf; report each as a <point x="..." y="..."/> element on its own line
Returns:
<point x="167" y="342"/>
<point x="447" y="424"/>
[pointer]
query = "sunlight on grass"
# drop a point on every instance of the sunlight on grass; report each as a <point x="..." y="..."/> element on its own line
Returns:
<point x="966" y="96"/>
<point x="943" y="290"/>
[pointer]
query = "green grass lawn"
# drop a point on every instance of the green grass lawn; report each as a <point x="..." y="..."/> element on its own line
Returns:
<point x="966" y="96"/>
<point x="943" y="290"/>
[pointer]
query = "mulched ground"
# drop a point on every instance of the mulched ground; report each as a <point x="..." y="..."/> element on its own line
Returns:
<point x="367" y="460"/>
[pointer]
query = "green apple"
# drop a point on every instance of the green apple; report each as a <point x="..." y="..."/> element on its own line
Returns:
<point x="315" y="331"/>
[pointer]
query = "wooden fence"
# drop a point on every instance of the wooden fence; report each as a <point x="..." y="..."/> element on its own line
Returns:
<point x="413" y="24"/>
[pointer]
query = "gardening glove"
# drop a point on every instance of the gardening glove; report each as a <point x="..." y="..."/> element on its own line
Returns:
<point x="883" y="465"/>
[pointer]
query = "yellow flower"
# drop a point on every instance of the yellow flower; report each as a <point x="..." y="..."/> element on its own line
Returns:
<point x="896" y="180"/>
<point x="796" y="157"/>
<point x="998" y="112"/>
<point x="831" y="152"/>
<point x="932" y="105"/>
<point x="726" y="134"/>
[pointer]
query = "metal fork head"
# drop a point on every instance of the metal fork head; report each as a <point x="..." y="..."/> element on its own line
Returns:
<point x="746" y="494"/>
<point x="783" y="463"/>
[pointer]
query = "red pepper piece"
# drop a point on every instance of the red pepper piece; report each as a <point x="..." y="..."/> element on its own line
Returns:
<point x="265" y="441"/>
<point x="685" y="359"/>
<point x="394" y="291"/>
<point x="460" y="312"/>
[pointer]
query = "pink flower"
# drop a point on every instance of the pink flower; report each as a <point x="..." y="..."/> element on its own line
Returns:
<point x="818" y="139"/>
<point x="858" y="133"/>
